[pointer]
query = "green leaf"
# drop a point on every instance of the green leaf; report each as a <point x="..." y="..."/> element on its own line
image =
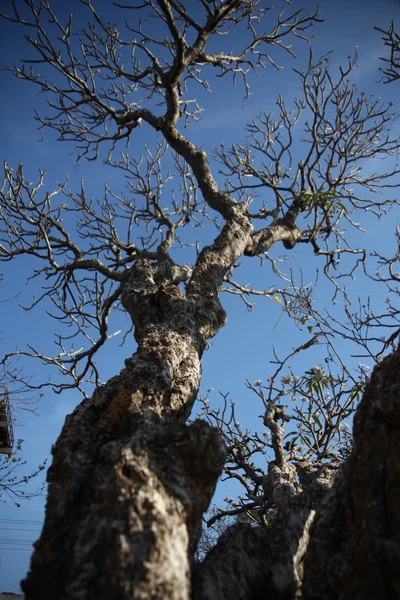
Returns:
<point x="306" y="439"/>
<point x="316" y="419"/>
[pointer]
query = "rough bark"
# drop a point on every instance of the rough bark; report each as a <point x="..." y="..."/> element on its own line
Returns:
<point x="129" y="480"/>
<point x="251" y="562"/>
<point x="355" y="547"/>
<point x="346" y="546"/>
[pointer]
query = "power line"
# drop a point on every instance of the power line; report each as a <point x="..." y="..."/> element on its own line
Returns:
<point x="16" y="529"/>
<point x="21" y="549"/>
<point x="20" y="544"/>
<point x="15" y="541"/>
<point x="20" y="521"/>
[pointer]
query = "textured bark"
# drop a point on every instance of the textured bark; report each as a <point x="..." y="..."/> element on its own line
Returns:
<point x="251" y="562"/>
<point x="345" y="546"/>
<point x="129" y="480"/>
<point x="355" y="548"/>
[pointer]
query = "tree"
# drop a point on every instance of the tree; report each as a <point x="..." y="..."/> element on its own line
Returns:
<point x="124" y="515"/>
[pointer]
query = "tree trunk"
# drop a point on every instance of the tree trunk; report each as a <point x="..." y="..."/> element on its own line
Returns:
<point x="348" y="547"/>
<point x="355" y="539"/>
<point x="130" y="481"/>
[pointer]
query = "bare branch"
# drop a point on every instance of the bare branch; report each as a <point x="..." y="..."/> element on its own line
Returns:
<point x="391" y="39"/>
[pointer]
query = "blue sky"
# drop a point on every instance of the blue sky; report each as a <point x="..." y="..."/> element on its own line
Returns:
<point x="243" y="348"/>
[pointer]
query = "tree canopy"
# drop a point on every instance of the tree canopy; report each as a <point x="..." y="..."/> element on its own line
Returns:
<point x="301" y="177"/>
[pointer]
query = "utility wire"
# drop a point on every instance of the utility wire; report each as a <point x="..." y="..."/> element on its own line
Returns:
<point x="15" y="541"/>
<point x="21" y="549"/>
<point x="20" y="521"/>
<point x="16" y="529"/>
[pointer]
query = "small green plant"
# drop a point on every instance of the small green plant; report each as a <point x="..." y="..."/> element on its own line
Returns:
<point x="324" y="199"/>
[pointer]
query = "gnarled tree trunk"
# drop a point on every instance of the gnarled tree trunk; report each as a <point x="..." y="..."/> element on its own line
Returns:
<point x="130" y="481"/>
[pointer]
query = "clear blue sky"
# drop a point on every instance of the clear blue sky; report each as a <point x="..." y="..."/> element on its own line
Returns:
<point x="243" y="348"/>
